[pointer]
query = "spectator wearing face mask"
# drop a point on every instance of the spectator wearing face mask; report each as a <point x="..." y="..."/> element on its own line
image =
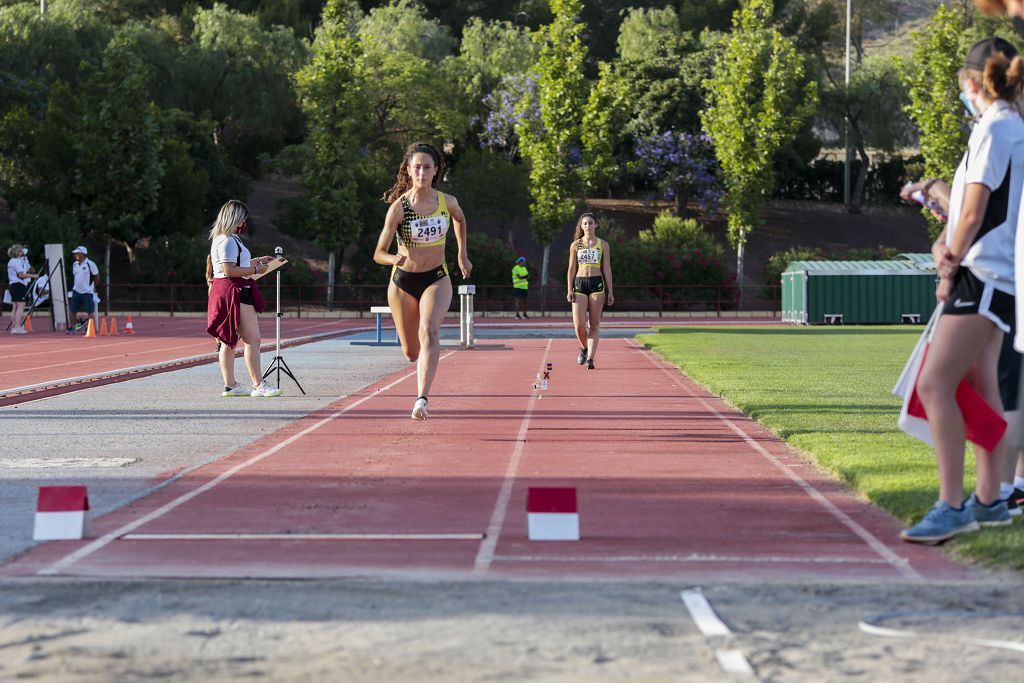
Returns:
<point x="975" y="260"/>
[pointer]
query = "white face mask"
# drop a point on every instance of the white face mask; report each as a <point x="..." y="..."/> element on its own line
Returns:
<point x="969" y="105"/>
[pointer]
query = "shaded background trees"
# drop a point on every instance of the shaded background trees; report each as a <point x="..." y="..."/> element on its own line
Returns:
<point x="130" y="121"/>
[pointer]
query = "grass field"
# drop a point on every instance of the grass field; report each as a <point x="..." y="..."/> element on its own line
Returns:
<point x="827" y="391"/>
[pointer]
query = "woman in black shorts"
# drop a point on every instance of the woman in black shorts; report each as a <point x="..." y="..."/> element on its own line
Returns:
<point x="974" y="257"/>
<point x="420" y="291"/>
<point x="589" y="280"/>
<point x="19" y="278"/>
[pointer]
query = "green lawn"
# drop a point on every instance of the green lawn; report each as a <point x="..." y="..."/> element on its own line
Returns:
<point x="827" y="391"/>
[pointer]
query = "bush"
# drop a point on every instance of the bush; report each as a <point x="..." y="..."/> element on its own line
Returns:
<point x="682" y="233"/>
<point x="822" y="181"/>
<point x="37" y="224"/>
<point x="682" y="264"/>
<point x="878" y="253"/>
<point x="171" y="259"/>
<point x="779" y="261"/>
<point x="290" y="161"/>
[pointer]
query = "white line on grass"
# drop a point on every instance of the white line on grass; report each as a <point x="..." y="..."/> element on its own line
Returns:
<point x="898" y="563"/>
<point x="105" y="540"/>
<point x="485" y="556"/>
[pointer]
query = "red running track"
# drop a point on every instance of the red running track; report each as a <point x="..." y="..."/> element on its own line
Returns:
<point x="52" y="357"/>
<point x="671" y="483"/>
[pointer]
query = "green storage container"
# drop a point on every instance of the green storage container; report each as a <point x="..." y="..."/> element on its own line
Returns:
<point x="859" y="292"/>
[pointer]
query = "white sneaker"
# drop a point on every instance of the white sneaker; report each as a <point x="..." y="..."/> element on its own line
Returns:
<point x="19" y="330"/>
<point x="237" y="390"/>
<point x="419" y="409"/>
<point x="265" y="390"/>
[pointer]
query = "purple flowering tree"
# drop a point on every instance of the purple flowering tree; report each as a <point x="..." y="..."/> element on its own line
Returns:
<point x="683" y="167"/>
<point x="514" y="100"/>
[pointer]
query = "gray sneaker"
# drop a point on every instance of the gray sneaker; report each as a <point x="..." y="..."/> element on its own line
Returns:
<point x="996" y="514"/>
<point x="941" y="524"/>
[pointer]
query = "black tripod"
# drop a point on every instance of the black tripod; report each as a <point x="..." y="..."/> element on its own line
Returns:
<point x="278" y="363"/>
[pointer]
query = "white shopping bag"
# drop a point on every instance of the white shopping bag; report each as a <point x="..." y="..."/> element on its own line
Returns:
<point x="916" y="427"/>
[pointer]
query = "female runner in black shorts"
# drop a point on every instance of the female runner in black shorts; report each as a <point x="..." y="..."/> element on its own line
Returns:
<point x="420" y="291"/>
<point x="590" y="285"/>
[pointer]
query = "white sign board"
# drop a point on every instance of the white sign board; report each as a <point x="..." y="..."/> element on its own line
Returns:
<point x="58" y="284"/>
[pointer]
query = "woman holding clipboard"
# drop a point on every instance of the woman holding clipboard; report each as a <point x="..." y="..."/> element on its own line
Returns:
<point x="235" y="300"/>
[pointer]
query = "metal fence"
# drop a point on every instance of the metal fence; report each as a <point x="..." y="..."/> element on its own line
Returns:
<point x="299" y="300"/>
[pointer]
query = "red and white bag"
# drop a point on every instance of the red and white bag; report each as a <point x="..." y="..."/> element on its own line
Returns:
<point x="985" y="425"/>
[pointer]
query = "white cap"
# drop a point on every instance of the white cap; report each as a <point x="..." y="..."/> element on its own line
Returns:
<point x="79" y="250"/>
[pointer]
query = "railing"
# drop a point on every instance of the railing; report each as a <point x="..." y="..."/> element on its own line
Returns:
<point x="311" y="299"/>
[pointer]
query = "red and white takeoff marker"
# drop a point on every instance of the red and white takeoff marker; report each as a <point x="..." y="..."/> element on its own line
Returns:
<point x="62" y="514"/>
<point x="552" y="515"/>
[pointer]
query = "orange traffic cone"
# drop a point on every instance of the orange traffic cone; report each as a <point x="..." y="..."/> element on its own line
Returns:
<point x="91" y="330"/>
<point x="128" y="327"/>
<point x="112" y="330"/>
<point x="103" y="327"/>
<point x="27" y="324"/>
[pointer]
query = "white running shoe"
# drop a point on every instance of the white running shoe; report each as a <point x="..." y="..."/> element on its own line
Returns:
<point x="19" y="330"/>
<point x="237" y="390"/>
<point x="265" y="390"/>
<point x="419" y="409"/>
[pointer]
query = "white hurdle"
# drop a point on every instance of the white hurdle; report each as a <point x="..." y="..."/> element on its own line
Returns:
<point x="466" y="293"/>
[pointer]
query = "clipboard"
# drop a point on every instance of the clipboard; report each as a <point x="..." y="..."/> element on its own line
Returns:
<point x="271" y="267"/>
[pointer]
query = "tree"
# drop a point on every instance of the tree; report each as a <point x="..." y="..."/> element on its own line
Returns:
<point x="873" y="109"/>
<point x="552" y="147"/>
<point x="757" y="98"/>
<point x="332" y="92"/>
<point x="244" y="80"/>
<point x="118" y="149"/>
<point x="683" y="166"/>
<point x="489" y="55"/>
<point x="930" y="77"/>
<point x="607" y="114"/>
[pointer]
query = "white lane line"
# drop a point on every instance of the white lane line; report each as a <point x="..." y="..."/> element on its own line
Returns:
<point x="107" y="539"/>
<point x="485" y="556"/>
<point x="285" y="536"/>
<point x="731" y="661"/>
<point x="898" y="563"/>
<point x="696" y="557"/>
<point x="700" y="611"/>
<point x="734" y="662"/>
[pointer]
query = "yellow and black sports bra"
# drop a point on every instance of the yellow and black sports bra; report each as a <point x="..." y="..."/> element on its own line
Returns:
<point x="424" y="231"/>
<point x="589" y="256"/>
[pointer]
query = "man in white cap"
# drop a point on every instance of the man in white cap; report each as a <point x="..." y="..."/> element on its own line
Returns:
<point x="85" y="276"/>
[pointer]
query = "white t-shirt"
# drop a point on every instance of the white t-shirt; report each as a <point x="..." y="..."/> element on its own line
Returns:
<point x="81" y="275"/>
<point x="37" y="292"/>
<point x="17" y="265"/>
<point x="226" y="250"/>
<point x="995" y="159"/>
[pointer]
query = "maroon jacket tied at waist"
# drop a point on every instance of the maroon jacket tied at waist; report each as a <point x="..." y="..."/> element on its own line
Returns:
<point x="224" y="309"/>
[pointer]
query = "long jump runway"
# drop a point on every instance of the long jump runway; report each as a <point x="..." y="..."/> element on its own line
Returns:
<point x="672" y="483"/>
